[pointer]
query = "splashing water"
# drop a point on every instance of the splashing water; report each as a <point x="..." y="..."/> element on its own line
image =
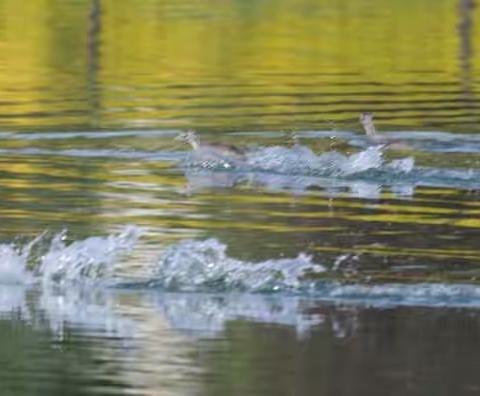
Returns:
<point x="198" y="266"/>
<point x="298" y="168"/>
<point x="298" y="159"/>
<point x="404" y="165"/>
<point x="14" y="260"/>
<point x="362" y="161"/>
<point x="12" y="264"/>
<point x="204" y="265"/>
<point x="303" y="161"/>
<point x="91" y="259"/>
<point x="209" y="158"/>
<point x="295" y="160"/>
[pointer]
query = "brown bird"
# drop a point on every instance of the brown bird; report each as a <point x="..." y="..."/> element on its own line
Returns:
<point x="366" y="119"/>
<point x="227" y="150"/>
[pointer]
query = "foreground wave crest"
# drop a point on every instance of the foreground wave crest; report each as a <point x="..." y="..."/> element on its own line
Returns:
<point x="203" y="266"/>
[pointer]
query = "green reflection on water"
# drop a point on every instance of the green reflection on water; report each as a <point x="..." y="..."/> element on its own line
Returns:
<point x="34" y="363"/>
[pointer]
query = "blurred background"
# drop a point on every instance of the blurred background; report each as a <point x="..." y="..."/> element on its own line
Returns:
<point x="238" y="64"/>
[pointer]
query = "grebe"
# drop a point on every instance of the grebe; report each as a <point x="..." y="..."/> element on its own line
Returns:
<point x="366" y="119"/>
<point x="226" y="150"/>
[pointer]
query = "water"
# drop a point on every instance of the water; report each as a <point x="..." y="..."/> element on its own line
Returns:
<point x="319" y="263"/>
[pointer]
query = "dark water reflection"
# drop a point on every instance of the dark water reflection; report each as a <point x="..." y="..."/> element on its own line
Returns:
<point x="158" y="343"/>
<point x="399" y="351"/>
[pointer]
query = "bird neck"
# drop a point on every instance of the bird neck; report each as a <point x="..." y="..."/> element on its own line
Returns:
<point x="194" y="141"/>
<point x="369" y="127"/>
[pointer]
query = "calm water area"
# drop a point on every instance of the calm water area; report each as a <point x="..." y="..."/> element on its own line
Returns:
<point x="319" y="262"/>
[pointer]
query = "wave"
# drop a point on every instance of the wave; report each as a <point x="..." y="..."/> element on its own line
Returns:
<point x="299" y="160"/>
<point x="298" y="168"/>
<point x="193" y="266"/>
<point x="204" y="265"/>
<point x="49" y="259"/>
<point x="424" y="141"/>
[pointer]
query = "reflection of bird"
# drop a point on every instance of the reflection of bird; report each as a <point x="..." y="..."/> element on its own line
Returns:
<point x="225" y="150"/>
<point x="366" y="119"/>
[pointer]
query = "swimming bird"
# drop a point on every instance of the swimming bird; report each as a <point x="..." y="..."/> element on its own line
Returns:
<point x="366" y="119"/>
<point x="225" y="150"/>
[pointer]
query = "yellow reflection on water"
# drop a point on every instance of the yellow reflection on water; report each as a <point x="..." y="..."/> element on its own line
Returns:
<point x="231" y="64"/>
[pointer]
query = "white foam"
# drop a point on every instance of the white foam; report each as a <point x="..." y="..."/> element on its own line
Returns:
<point x="298" y="168"/>
<point x="197" y="266"/>
<point x="202" y="265"/>
<point x="91" y="259"/>
<point x="404" y="165"/>
<point x="210" y="158"/>
<point x="301" y="160"/>
<point x="12" y="264"/>
<point x="54" y="261"/>
<point x="279" y="159"/>
<point x="371" y="158"/>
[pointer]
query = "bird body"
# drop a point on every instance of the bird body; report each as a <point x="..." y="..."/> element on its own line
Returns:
<point x="366" y="119"/>
<point x="224" y="150"/>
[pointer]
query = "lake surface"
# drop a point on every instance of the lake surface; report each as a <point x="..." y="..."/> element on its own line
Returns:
<point x="320" y="263"/>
